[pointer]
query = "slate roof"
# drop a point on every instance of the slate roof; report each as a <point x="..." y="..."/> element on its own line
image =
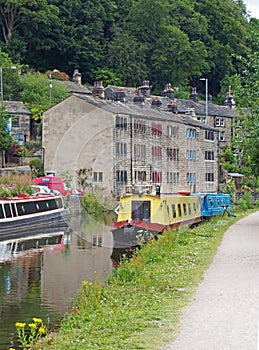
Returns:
<point x="16" y="107"/>
<point x="143" y="111"/>
<point x="76" y="88"/>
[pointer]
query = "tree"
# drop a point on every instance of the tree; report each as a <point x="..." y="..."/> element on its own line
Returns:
<point x="36" y="92"/>
<point x="5" y="136"/>
<point x="246" y="141"/>
<point x="16" y="13"/>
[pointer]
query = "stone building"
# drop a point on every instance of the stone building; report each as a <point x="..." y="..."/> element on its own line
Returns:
<point x="126" y="136"/>
<point x="20" y="121"/>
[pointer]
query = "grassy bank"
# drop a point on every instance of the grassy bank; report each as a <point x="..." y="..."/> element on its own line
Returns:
<point x="140" y="305"/>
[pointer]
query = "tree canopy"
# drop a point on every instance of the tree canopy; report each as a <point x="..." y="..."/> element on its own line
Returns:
<point x="175" y="41"/>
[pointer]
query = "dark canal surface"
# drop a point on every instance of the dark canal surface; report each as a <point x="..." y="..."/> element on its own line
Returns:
<point x="41" y="274"/>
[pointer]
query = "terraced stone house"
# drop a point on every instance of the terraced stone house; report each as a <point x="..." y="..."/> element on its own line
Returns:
<point x="127" y="136"/>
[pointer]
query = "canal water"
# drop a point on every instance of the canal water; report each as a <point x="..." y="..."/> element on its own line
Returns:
<point x="41" y="274"/>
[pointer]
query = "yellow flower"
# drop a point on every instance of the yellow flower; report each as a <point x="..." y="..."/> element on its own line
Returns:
<point x="20" y="325"/>
<point x="32" y="325"/>
<point x="11" y="349"/>
<point x="37" y="320"/>
<point x="42" y="330"/>
<point x="84" y="283"/>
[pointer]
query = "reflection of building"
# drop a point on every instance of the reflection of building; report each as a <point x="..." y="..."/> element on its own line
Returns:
<point x="127" y="136"/>
<point x="61" y="278"/>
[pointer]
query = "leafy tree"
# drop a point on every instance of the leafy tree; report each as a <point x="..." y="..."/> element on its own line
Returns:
<point x="127" y="56"/>
<point x="5" y="137"/>
<point x="36" y="92"/>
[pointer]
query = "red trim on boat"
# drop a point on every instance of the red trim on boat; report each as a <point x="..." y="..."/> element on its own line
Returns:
<point x="154" y="227"/>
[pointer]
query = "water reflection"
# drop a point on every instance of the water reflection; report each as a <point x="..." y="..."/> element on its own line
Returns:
<point x="40" y="275"/>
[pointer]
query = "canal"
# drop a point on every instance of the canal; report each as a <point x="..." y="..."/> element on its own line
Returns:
<point x="41" y="274"/>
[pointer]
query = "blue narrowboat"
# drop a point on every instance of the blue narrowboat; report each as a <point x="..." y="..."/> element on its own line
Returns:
<point x="214" y="204"/>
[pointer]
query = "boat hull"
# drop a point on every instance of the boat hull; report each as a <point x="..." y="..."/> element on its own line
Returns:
<point x="28" y="224"/>
<point x="139" y="232"/>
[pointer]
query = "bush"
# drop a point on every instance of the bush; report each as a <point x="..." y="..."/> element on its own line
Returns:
<point x="36" y="167"/>
<point x="246" y="202"/>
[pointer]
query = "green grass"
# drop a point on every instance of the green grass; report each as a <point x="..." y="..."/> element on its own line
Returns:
<point x="140" y="305"/>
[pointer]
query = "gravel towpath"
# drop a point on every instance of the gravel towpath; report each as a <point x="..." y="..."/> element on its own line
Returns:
<point x="224" y="313"/>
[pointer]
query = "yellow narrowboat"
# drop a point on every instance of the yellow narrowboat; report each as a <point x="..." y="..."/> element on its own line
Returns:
<point x="144" y="212"/>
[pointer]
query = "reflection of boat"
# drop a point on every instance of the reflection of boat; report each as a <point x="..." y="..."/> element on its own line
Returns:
<point x="121" y="253"/>
<point x="144" y="213"/>
<point x="15" y="247"/>
<point x="26" y="213"/>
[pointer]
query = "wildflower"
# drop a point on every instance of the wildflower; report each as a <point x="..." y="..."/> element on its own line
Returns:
<point x="11" y="349"/>
<point x="84" y="283"/>
<point x="41" y="330"/>
<point x="37" y="320"/>
<point x="20" y="325"/>
<point x="32" y="325"/>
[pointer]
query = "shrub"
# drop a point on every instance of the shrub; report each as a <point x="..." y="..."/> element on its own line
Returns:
<point x="245" y="202"/>
<point x="36" y="167"/>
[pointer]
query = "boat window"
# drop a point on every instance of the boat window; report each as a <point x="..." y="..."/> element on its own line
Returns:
<point x="7" y="209"/>
<point x="174" y="210"/>
<point x="189" y="208"/>
<point x="13" y="209"/>
<point x="218" y="202"/>
<point x="141" y="210"/>
<point x="1" y="212"/>
<point x="179" y="210"/>
<point x="59" y="202"/>
<point x="184" y="209"/>
<point x="194" y="208"/>
<point x="211" y="204"/>
<point x="25" y="208"/>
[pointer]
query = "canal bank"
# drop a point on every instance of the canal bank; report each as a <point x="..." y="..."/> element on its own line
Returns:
<point x="141" y="304"/>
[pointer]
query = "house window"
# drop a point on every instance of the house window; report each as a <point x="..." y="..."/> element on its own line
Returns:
<point x="156" y="152"/>
<point x="191" y="154"/>
<point x="121" y="149"/>
<point x="156" y="129"/>
<point x="139" y="152"/>
<point x="121" y="123"/>
<point x="15" y="121"/>
<point x="139" y="126"/>
<point x="209" y="135"/>
<point x="157" y="176"/>
<point x="209" y="177"/>
<point x="190" y="177"/>
<point x="209" y="155"/>
<point x="140" y="176"/>
<point x="19" y="137"/>
<point x="220" y="122"/>
<point x="121" y="176"/>
<point x="172" y="153"/>
<point x="222" y="136"/>
<point x="172" y="177"/>
<point x="191" y="133"/>
<point x="169" y="131"/>
<point x="98" y="176"/>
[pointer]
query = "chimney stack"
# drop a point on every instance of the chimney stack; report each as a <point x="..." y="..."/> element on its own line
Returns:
<point x="77" y="77"/>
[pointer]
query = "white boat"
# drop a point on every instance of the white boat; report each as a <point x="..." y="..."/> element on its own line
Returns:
<point x="24" y="213"/>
